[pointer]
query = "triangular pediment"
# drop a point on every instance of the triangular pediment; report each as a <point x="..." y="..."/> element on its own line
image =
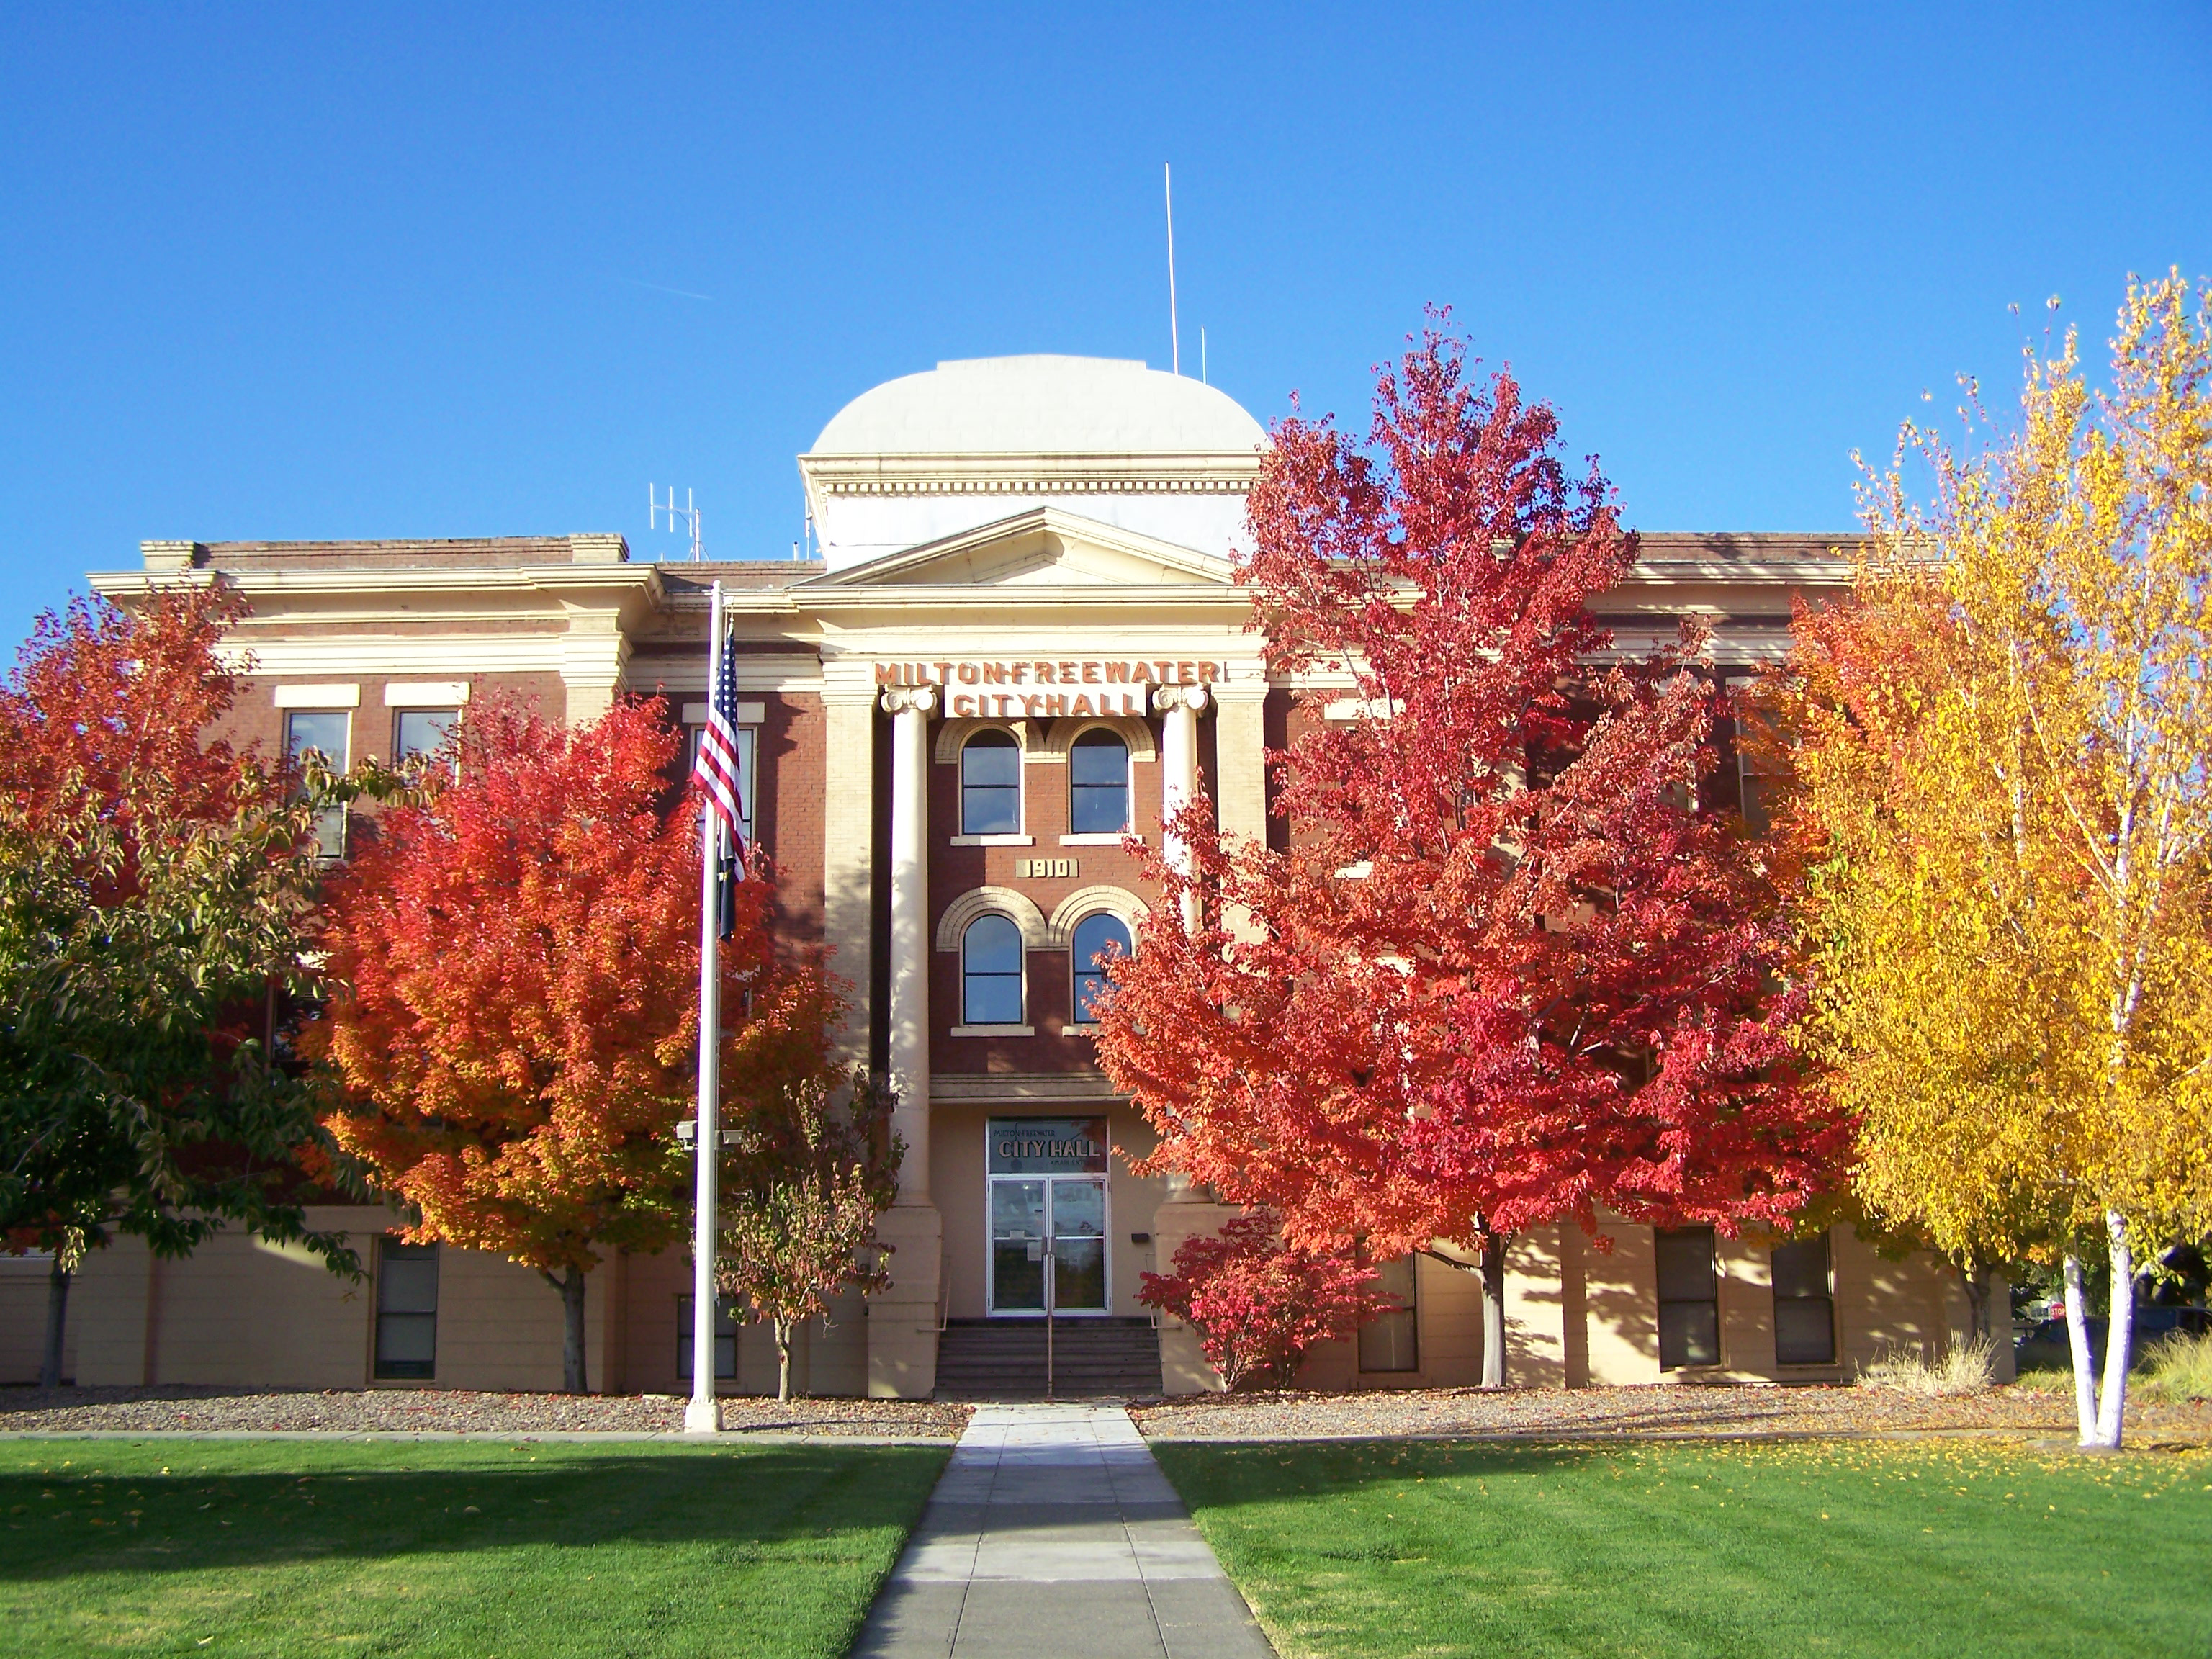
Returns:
<point x="1041" y="547"/>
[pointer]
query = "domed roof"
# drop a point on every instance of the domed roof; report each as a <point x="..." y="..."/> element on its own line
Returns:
<point x="1041" y="405"/>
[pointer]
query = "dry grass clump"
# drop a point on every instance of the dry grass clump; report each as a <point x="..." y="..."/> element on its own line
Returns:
<point x="2173" y="1370"/>
<point x="2178" y="1370"/>
<point x="1968" y="1367"/>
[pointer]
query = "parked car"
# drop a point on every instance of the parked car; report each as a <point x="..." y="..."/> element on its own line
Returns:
<point x="2045" y="1347"/>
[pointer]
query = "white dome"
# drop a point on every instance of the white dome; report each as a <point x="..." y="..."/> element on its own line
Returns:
<point x="1038" y="405"/>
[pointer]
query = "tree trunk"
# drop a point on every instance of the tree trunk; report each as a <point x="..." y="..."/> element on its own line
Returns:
<point x="2119" y="1333"/>
<point x="1976" y="1278"/>
<point x="58" y="1288"/>
<point x="571" y="1286"/>
<point x="1493" y="1310"/>
<point x="2077" y="1341"/>
<point x="783" y="1334"/>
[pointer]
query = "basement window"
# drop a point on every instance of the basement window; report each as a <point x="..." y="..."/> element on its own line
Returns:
<point x="1392" y="1341"/>
<point x="406" y="1309"/>
<point x="1804" y="1304"/>
<point x="726" y="1337"/>
<point x="1689" y="1299"/>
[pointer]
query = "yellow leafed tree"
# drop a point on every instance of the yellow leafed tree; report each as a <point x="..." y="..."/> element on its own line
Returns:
<point x="1998" y="754"/>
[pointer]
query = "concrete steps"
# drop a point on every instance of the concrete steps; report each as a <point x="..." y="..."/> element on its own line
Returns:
<point x="1005" y="1359"/>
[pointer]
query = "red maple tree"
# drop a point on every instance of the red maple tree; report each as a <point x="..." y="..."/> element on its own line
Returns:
<point x="1507" y="973"/>
<point x="513" y="1015"/>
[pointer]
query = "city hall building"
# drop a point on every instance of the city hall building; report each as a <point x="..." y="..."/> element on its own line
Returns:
<point x="1021" y="643"/>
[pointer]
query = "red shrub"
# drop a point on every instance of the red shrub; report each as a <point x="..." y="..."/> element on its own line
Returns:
<point x="1259" y="1304"/>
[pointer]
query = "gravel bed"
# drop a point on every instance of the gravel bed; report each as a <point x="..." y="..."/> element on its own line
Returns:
<point x="448" y="1411"/>
<point x="1629" y="1413"/>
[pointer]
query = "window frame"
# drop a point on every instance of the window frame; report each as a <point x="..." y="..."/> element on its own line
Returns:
<point x="748" y="771"/>
<point x="1410" y="1311"/>
<point x="335" y="813"/>
<point x="1019" y="1025"/>
<point x="1128" y="784"/>
<point x="400" y="753"/>
<point x="994" y="737"/>
<point x="404" y="1371"/>
<point x="1664" y="1302"/>
<point x="724" y="1306"/>
<point x="1077" y="973"/>
<point x="1826" y="1298"/>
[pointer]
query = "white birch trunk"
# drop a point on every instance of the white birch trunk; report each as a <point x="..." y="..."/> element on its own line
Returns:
<point x="2077" y="1339"/>
<point x="2120" y="1334"/>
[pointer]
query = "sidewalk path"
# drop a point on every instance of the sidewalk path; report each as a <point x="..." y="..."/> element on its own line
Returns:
<point x="1054" y="1535"/>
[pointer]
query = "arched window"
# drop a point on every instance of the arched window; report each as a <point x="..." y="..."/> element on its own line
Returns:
<point x="991" y="972"/>
<point x="1098" y="784"/>
<point x="1098" y="936"/>
<point x="991" y="785"/>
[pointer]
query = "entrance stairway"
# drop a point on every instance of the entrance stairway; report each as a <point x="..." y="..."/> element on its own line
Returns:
<point x="1092" y="1359"/>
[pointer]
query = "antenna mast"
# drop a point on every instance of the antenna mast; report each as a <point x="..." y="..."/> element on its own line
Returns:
<point x="685" y="517"/>
<point x="1175" y="335"/>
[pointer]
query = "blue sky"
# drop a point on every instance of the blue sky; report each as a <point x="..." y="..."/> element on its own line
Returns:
<point x="314" y="272"/>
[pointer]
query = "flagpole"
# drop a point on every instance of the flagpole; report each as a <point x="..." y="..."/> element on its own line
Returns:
<point x="703" y="1415"/>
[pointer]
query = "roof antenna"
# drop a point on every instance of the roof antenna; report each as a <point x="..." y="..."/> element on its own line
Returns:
<point x="1175" y="338"/>
<point x="686" y="515"/>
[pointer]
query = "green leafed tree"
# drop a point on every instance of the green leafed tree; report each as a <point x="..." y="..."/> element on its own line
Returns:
<point x="153" y="884"/>
<point x="813" y="1166"/>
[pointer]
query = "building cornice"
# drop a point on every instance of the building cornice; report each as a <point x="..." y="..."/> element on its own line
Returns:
<point x="1173" y="473"/>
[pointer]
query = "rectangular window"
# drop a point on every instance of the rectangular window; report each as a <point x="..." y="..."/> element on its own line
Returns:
<point x="421" y="731"/>
<point x="1392" y="1341"/>
<point x="1689" y="1299"/>
<point x="748" y="746"/>
<point x="726" y="1338"/>
<point x="406" y="1309"/>
<point x="1804" y="1304"/>
<point x="327" y="732"/>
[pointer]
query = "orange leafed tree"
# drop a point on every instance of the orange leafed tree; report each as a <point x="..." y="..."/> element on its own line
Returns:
<point x="513" y="1012"/>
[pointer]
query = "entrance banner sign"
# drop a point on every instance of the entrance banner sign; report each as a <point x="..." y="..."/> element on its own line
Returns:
<point x="1048" y="1146"/>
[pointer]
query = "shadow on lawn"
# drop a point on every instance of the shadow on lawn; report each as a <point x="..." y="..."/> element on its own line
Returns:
<point x="1262" y="1471"/>
<point x="790" y="1502"/>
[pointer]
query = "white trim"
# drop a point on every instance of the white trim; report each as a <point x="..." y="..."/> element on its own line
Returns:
<point x="749" y="713"/>
<point x="1018" y="907"/>
<point x="952" y="735"/>
<point x="1100" y="838"/>
<point x="327" y="696"/>
<point x="994" y="1030"/>
<point x="990" y="840"/>
<point x="1345" y="710"/>
<point x="1117" y="901"/>
<point x="425" y="694"/>
<point x="1134" y="731"/>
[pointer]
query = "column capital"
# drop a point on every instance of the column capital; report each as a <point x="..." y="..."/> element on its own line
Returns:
<point x="910" y="699"/>
<point x="1166" y="698"/>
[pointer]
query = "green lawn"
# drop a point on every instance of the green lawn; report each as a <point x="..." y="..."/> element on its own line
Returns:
<point x="491" y="1550"/>
<point x="1876" y="1548"/>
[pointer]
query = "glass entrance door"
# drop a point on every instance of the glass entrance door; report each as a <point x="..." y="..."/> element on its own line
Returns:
<point x="1017" y="1235"/>
<point x="1077" y="1212"/>
<point x="1048" y="1244"/>
<point x="1047" y="1182"/>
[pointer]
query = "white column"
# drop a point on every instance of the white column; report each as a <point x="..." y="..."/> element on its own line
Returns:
<point x="910" y="709"/>
<point x="1179" y="772"/>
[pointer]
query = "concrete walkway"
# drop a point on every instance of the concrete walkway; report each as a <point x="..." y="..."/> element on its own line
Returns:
<point x="1054" y="1535"/>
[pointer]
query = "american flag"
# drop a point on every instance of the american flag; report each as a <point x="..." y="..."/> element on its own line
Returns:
<point x="716" y="768"/>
